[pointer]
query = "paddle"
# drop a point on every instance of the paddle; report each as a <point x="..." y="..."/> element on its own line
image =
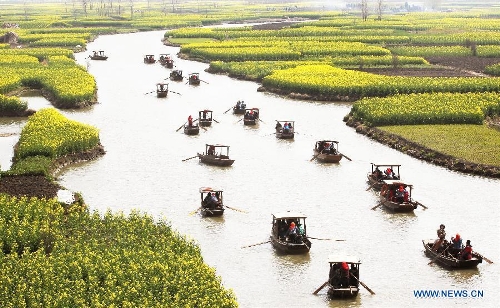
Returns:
<point x="190" y="158"/>
<point x="371" y="186"/>
<point x="195" y="211"/>
<point x="418" y="203"/>
<point x="345" y="157"/>
<point x="324" y="239"/>
<point x="215" y="120"/>
<point x="314" y="157"/>
<point x="204" y="81"/>
<point x="364" y="285"/>
<point x="228" y="109"/>
<point x="180" y="126"/>
<point x="238" y="121"/>
<point x="376" y="206"/>
<point x="150" y="92"/>
<point x="235" y="209"/>
<point x="262" y="121"/>
<point x="255" y="244"/>
<point x="175" y="92"/>
<point x="484" y="258"/>
<point x="439" y="255"/>
<point x="321" y="287"/>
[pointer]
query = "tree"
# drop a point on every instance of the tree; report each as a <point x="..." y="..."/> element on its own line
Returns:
<point x="379" y="9"/>
<point x="364" y="9"/>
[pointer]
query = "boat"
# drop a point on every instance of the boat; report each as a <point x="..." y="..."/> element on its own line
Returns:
<point x="149" y="59"/>
<point x="239" y="108"/>
<point x="161" y="89"/>
<point x="382" y="172"/>
<point x="98" y="55"/>
<point x="251" y="116"/>
<point x="297" y="244"/>
<point x="212" y="202"/>
<point x="166" y="60"/>
<point x="176" y="75"/>
<point x="217" y="155"/>
<point x="205" y="117"/>
<point x="327" y="151"/>
<point x="191" y="130"/>
<point x="343" y="277"/>
<point x="395" y="196"/>
<point x="285" y="129"/>
<point x="194" y="78"/>
<point x="449" y="257"/>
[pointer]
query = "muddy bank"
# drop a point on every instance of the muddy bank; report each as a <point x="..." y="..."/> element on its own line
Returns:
<point x="415" y="150"/>
<point x="40" y="186"/>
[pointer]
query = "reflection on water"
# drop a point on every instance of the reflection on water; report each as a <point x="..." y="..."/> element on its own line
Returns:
<point x="143" y="169"/>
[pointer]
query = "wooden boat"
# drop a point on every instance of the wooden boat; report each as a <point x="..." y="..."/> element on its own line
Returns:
<point x="390" y="200"/>
<point x="327" y="151"/>
<point x="98" y="55"/>
<point x="285" y="129"/>
<point x="205" y="117"/>
<point x="176" y="75"/>
<point x="161" y="89"/>
<point x="449" y="257"/>
<point x="380" y="172"/>
<point x="149" y="59"/>
<point x="212" y="202"/>
<point x="239" y="108"/>
<point x="191" y="130"/>
<point x="217" y="155"/>
<point x="166" y="60"/>
<point x="194" y="79"/>
<point x="341" y="282"/>
<point x="288" y="244"/>
<point x="251" y="116"/>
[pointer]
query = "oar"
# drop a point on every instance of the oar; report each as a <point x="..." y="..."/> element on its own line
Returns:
<point x="255" y="244"/>
<point x="190" y="158"/>
<point x="376" y="206"/>
<point x="204" y="81"/>
<point x="195" y="211"/>
<point x="321" y="287"/>
<point x="238" y="121"/>
<point x="228" y="109"/>
<point x="439" y="255"/>
<point x="345" y="156"/>
<point x="215" y="120"/>
<point x="187" y="82"/>
<point x="484" y="258"/>
<point x="314" y="157"/>
<point x="262" y="121"/>
<point x="371" y="186"/>
<point x="418" y="203"/>
<point x="364" y="285"/>
<point x="235" y="209"/>
<point x="180" y="126"/>
<point x="150" y="92"/>
<point x="175" y="92"/>
<point x="324" y="239"/>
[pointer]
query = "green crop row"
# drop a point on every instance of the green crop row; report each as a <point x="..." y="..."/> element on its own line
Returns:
<point x="79" y="259"/>
<point x="48" y="133"/>
<point x="9" y="104"/>
<point x="493" y="69"/>
<point x="428" y="108"/>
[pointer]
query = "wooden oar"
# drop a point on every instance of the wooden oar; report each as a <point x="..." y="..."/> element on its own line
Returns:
<point x="195" y="211"/>
<point x="180" y="126"/>
<point x="484" y="258"/>
<point x="228" y="109"/>
<point x="204" y="81"/>
<point x="235" y="209"/>
<point x="345" y="157"/>
<point x="150" y="92"/>
<point x="321" y="287"/>
<point x="262" y="121"/>
<point x="215" y="120"/>
<point x="418" y="203"/>
<point x="364" y="285"/>
<point x="324" y="239"/>
<point x="238" y="121"/>
<point x="376" y="206"/>
<point x="439" y="255"/>
<point x="190" y="158"/>
<point x="175" y="92"/>
<point x="255" y="244"/>
<point x="371" y="186"/>
<point x="314" y="157"/>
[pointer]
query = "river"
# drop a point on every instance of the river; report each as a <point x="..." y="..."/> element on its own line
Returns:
<point x="143" y="170"/>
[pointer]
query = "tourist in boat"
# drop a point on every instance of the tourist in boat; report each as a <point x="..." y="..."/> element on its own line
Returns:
<point x="238" y="104"/>
<point x="278" y="126"/>
<point x="400" y="194"/>
<point x="190" y="121"/>
<point x="211" y="150"/>
<point x="457" y="241"/>
<point x="441" y="233"/>
<point x="344" y="275"/>
<point x="292" y="232"/>
<point x="377" y="174"/>
<point x="285" y="127"/>
<point x="388" y="173"/>
<point x="466" y="253"/>
<point x="243" y="105"/>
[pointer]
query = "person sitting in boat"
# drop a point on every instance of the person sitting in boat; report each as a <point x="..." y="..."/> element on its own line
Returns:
<point x="332" y="149"/>
<point x="206" y="200"/>
<point x="238" y="104"/>
<point x="190" y="121"/>
<point x="355" y="273"/>
<point x="286" y="127"/>
<point x="243" y="105"/>
<point x="466" y="253"/>
<point x="388" y="173"/>
<point x="321" y="146"/>
<point x="211" y="150"/>
<point x="282" y="228"/>
<point x="291" y="233"/>
<point x="441" y="233"/>
<point x="326" y="147"/>
<point x="400" y="194"/>
<point x="377" y="174"/>
<point x="344" y="275"/>
<point x="213" y="202"/>
<point x="457" y="242"/>
<point x="278" y="126"/>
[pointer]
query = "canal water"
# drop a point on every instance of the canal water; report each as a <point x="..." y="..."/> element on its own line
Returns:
<point x="143" y="170"/>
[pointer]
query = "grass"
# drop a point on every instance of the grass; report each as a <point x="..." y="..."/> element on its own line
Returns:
<point x="475" y="143"/>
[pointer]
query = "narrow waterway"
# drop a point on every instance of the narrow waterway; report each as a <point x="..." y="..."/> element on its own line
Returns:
<point x="143" y="170"/>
